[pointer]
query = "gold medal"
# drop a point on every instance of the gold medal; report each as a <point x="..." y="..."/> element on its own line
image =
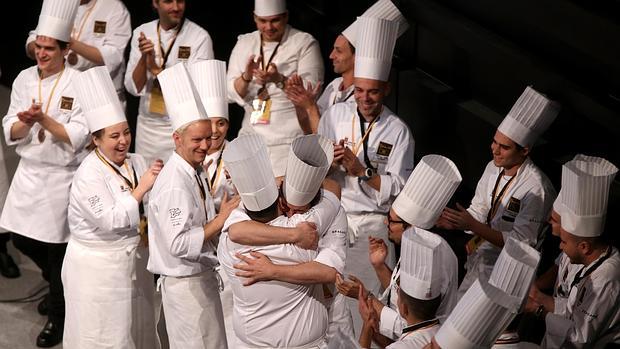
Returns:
<point x="143" y="231"/>
<point x="41" y="135"/>
<point x="261" y="108"/>
<point x="157" y="104"/>
<point x="72" y="58"/>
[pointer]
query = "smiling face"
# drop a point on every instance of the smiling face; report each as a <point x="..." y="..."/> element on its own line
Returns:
<point x="271" y="28"/>
<point x="114" y="142"/>
<point x="193" y="142"/>
<point x="369" y="96"/>
<point x="342" y="55"/>
<point x="219" y="129"/>
<point x="50" y="57"/>
<point x="507" y="154"/>
<point x="170" y="12"/>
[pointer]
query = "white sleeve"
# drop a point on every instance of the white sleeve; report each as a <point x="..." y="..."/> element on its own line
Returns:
<point x="333" y="244"/>
<point x="310" y="64"/>
<point x="76" y="127"/>
<point x="134" y="57"/>
<point x="204" y="50"/>
<point x="390" y="323"/>
<point x="19" y="103"/>
<point x="479" y="207"/>
<point x="236" y="216"/>
<point x="114" y="43"/>
<point x="236" y="66"/>
<point x="532" y="217"/>
<point x="172" y="214"/>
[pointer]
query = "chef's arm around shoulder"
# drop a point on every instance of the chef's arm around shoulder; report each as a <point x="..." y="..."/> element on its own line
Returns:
<point x="254" y="233"/>
<point x="304" y="273"/>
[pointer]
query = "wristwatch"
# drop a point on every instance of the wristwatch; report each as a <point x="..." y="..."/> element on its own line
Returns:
<point x="280" y="84"/>
<point x="368" y="173"/>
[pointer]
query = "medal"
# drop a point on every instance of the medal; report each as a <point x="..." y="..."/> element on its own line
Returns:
<point x="261" y="108"/>
<point x="72" y="58"/>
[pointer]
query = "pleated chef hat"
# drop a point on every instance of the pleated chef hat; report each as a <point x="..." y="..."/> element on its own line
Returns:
<point x="376" y="39"/>
<point x="182" y="101"/>
<point x="98" y="98"/>
<point x="515" y="268"/>
<point x="479" y="318"/>
<point x="585" y="193"/>
<point x="248" y="164"/>
<point x="421" y="269"/>
<point x="558" y="206"/>
<point x="427" y="191"/>
<point x="384" y="9"/>
<point x="309" y="159"/>
<point x="56" y="19"/>
<point x="529" y="117"/>
<point x="266" y="8"/>
<point x="209" y="77"/>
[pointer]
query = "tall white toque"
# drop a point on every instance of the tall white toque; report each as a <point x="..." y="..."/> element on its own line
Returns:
<point x="375" y="46"/>
<point x="97" y="95"/>
<point x="248" y="164"/>
<point x="529" y="117"/>
<point x="427" y="191"/>
<point x="182" y="101"/>
<point x="266" y="8"/>
<point x="585" y="194"/>
<point x="209" y="77"/>
<point x="384" y="9"/>
<point x="309" y="159"/>
<point x="421" y="269"/>
<point x="56" y="19"/>
<point x="488" y="307"/>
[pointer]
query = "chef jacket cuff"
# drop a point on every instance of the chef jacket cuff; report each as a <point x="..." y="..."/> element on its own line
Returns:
<point x="331" y="259"/>
<point x="383" y="195"/>
<point x="7" y="132"/>
<point x="196" y="241"/>
<point x="390" y="323"/>
<point x="132" y="208"/>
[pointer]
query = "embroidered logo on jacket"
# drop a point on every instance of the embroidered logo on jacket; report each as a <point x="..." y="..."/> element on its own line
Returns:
<point x="184" y="52"/>
<point x="384" y="149"/>
<point x="66" y="103"/>
<point x="512" y="209"/>
<point x="99" y="27"/>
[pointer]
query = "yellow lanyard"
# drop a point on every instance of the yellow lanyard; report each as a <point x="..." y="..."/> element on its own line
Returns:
<point x="49" y="99"/>
<point x="84" y="19"/>
<point x="357" y="146"/>
<point x="131" y="183"/>
<point x="218" y="171"/>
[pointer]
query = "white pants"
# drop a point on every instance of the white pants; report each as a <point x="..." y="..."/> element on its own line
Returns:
<point x="340" y="320"/>
<point x="358" y="263"/>
<point x="193" y="311"/>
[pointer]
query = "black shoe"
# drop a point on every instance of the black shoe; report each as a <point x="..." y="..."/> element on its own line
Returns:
<point x="50" y="336"/>
<point x="42" y="307"/>
<point x="8" y="268"/>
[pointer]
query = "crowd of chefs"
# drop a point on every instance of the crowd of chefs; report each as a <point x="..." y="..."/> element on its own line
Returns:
<point x="314" y="220"/>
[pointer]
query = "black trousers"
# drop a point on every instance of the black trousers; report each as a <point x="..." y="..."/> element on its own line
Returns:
<point x="4" y="238"/>
<point x="48" y="257"/>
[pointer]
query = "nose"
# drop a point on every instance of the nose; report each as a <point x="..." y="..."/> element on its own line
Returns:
<point x="175" y="6"/>
<point x="494" y="149"/>
<point x="332" y="55"/>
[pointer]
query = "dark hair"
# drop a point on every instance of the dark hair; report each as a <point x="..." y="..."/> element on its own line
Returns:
<point x="421" y="309"/>
<point x="266" y="215"/>
<point x="62" y="44"/>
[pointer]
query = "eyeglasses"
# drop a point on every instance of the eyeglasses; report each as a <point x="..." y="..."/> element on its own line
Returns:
<point x="394" y="221"/>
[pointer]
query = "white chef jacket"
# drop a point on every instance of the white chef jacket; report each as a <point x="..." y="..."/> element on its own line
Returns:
<point x="416" y="339"/>
<point x="522" y="214"/>
<point x="298" y="53"/>
<point x="592" y="317"/>
<point x="332" y="94"/>
<point x="177" y="218"/>
<point x="274" y="324"/>
<point x="40" y="186"/>
<point x="217" y="172"/>
<point x="391" y="324"/>
<point x="511" y="340"/>
<point x="390" y="149"/>
<point x="101" y="206"/>
<point x="154" y="131"/>
<point x="566" y="275"/>
<point x="106" y="25"/>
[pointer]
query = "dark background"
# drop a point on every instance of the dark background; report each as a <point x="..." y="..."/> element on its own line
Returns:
<point x="457" y="70"/>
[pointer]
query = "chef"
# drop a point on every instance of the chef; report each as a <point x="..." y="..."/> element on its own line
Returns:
<point x="46" y="123"/>
<point x="108" y="291"/>
<point x="259" y="66"/>
<point x="589" y="316"/>
<point x="183" y="226"/>
<point x="269" y="314"/>
<point x="489" y="305"/>
<point x="100" y="34"/>
<point x="343" y="59"/>
<point x="373" y="151"/>
<point x="210" y="79"/>
<point x="417" y="207"/>
<point x="156" y="45"/>
<point x="513" y="197"/>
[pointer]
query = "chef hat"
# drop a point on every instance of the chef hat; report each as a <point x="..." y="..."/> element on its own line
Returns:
<point x="384" y="9"/>
<point x="182" y="101"/>
<point x="420" y="271"/>
<point x="309" y="159"/>
<point x="529" y="117"/>
<point x="209" y="77"/>
<point x="427" y="191"/>
<point x="56" y="19"/>
<point x="97" y="96"/>
<point x="266" y="8"/>
<point x="515" y="268"/>
<point x="585" y="192"/>
<point x="376" y="39"/>
<point x="479" y="318"/>
<point x="248" y="164"/>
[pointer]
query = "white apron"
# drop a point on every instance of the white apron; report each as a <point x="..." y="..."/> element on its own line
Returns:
<point x="41" y="191"/>
<point x="193" y="311"/>
<point x="4" y="178"/>
<point x="108" y="295"/>
<point x="154" y="138"/>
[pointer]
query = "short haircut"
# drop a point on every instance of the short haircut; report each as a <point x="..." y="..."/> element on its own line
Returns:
<point x="266" y="215"/>
<point x="422" y="309"/>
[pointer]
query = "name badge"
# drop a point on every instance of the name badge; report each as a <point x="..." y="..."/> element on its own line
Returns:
<point x="157" y="104"/>
<point x="184" y="52"/>
<point x="99" y="27"/>
<point x="512" y="210"/>
<point x="384" y="149"/>
<point x="66" y="103"/>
